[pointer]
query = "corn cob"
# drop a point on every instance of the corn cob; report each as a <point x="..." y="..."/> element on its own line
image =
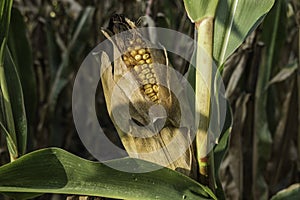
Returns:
<point x="140" y="61"/>
<point x="137" y="58"/>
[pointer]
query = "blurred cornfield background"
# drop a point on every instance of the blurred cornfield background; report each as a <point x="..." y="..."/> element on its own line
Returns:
<point x="49" y="39"/>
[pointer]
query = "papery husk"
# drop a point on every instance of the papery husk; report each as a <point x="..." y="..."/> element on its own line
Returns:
<point x="164" y="138"/>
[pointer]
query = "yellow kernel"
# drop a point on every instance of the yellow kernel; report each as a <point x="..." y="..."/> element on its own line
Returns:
<point x="149" y="61"/>
<point x="131" y="60"/>
<point x="142" y="76"/>
<point x="127" y="63"/>
<point x="154" y="98"/>
<point x="148" y="90"/>
<point x="131" y="42"/>
<point x="136" y="68"/>
<point x="125" y="58"/>
<point x="146" y="71"/>
<point x="138" y="57"/>
<point x="145" y="82"/>
<point x="155" y="88"/>
<point x="141" y="62"/>
<point x="151" y="66"/>
<point x="146" y="56"/>
<point x="129" y="48"/>
<point x="151" y="94"/>
<point x="133" y="52"/>
<point x="142" y="51"/>
<point x="147" y="86"/>
<point x="144" y="66"/>
<point x="152" y="80"/>
<point x="148" y="76"/>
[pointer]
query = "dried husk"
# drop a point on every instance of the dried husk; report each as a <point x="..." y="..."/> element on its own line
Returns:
<point x="161" y="139"/>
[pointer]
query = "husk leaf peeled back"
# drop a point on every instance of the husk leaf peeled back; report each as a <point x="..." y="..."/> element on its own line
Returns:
<point x="146" y="113"/>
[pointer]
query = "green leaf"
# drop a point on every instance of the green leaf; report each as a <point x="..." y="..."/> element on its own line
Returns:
<point x="7" y="119"/>
<point x="74" y="50"/>
<point x="234" y="21"/>
<point x="5" y="8"/>
<point x="17" y="102"/>
<point x="220" y="150"/>
<point x="200" y="9"/>
<point x="54" y="170"/>
<point x="262" y="137"/>
<point x="290" y="193"/>
<point x="22" y="55"/>
<point x="54" y="52"/>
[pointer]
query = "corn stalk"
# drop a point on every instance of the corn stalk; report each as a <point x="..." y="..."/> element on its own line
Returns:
<point x="202" y="14"/>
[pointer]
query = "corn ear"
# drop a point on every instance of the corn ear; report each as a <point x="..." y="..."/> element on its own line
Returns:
<point x="141" y="66"/>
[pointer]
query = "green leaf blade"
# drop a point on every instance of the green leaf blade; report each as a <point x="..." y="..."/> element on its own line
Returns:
<point x="235" y="20"/>
<point x="263" y="138"/>
<point x="17" y="102"/>
<point x="7" y="119"/>
<point x="57" y="171"/>
<point x="200" y="9"/>
<point x="75" y="48"/>
<point x="290" y="193"/>
<point x="21" y="52"/>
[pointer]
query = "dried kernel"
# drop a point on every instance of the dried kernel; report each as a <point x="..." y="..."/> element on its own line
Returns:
<point x="148" y="76"/>
<point x="147" y="86"/>
<point x="125" y="58"/>
<point x="151" y="94"/>
<point x="155" y="88"/>
<point x="146" y="71"/>
<point x="138" y="57"/>
<point x="145" y="82"/>
<point x="142" y="76"/>
<point x="133" y="52"/>
<point x="153" y="98"/>
<point x="152" y="80"/>
<point x="148" y="90"/>
<point x="146" y="56"/>
<point x="137" y="68"/>
<point x="131" y="60"/>
<point x="144" y="66"/>
<point x="149" y="61"/>
<point x="127" y="63"/>
<point x="141" y="62"/>
<point x="142" y="51"/>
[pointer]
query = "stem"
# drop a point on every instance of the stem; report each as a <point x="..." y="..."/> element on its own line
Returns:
<point x="203" y="89"/>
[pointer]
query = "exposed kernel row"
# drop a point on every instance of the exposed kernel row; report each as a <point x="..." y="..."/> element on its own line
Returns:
<point x="140" y="60"/>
